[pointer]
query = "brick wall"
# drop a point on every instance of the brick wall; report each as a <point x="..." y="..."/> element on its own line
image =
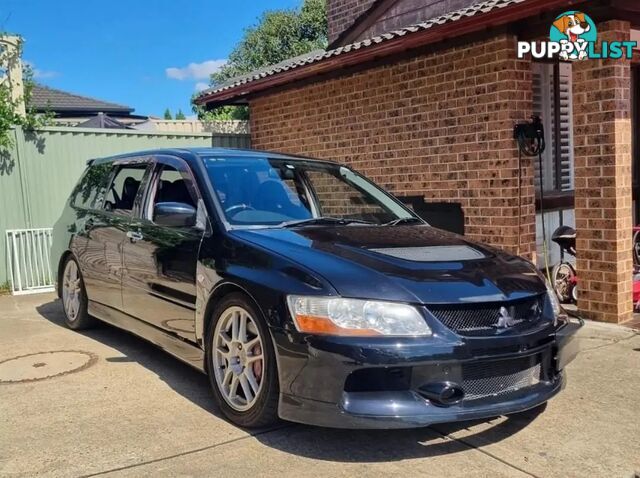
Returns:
<point x="438" y="125"/>
<point x="342" y="13"/>
<point x="602" y="139"/>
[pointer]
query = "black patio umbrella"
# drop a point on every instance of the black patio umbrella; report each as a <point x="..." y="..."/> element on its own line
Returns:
<point x="101" y="120"/>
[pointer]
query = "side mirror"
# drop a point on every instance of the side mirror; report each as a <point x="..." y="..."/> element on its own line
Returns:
<point x="174" y="214"/>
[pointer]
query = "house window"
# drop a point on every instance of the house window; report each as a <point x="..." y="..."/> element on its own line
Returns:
<point x="549" y="104"/>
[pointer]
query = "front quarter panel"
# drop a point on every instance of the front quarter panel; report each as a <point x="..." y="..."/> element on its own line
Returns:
<point x="265" y="276"/>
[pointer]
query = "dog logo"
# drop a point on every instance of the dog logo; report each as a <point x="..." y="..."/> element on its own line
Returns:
<point x="573" y="31"/>
<point x="572" y="37"/>
<point x="505" y="319"/>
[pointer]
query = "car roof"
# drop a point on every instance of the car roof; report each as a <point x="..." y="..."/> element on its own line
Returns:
<point x="193" y="154"/>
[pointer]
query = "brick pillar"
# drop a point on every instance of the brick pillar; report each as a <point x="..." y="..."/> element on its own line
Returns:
<point x="602" y="139"/>
<point x="513" y="86"/>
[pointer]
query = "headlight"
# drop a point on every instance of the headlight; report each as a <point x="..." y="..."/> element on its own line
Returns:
<point x="553" y="298"/>
<point x="338" y="316"/>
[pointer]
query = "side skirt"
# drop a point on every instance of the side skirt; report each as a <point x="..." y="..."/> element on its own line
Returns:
<point x="188" y="353"/>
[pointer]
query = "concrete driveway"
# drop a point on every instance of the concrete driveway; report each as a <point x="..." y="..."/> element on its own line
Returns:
<point x="114" y="405"/>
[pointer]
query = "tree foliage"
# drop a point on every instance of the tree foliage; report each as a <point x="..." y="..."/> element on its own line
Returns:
<point x="180" y="115"/>
<point x="223" y="113"/>
<point x="167" y="114"/>
<point x="9" y="118"/>
<point x="278" y="35"/>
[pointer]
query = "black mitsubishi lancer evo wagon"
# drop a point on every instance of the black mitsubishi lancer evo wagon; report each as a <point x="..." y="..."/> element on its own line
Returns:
<point x="306" y="292"/>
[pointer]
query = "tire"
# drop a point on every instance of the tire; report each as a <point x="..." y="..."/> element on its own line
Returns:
<point x="246" y="388"/>
<point x="636" y="248"/>
<point x="74" y="297"/>
<point x="563" y="277"/>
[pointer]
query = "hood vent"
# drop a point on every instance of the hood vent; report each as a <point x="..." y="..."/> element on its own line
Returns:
<point x="432" y="253"/>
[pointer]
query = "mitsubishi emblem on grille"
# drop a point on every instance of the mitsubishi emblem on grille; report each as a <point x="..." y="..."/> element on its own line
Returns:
<point x="505" y="319"/>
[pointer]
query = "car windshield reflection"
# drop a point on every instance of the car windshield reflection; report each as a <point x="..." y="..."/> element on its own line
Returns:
<point x="281" y="193"/>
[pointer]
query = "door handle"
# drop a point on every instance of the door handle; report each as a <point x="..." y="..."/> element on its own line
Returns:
<point x="134" y="236"/>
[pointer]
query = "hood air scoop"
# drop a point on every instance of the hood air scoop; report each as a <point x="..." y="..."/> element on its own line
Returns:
<point x="432" y="253"/>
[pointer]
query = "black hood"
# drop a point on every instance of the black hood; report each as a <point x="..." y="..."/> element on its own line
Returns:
<point x="409" y="263"/>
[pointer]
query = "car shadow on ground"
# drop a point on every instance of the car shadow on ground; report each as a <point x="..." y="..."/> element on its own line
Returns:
<point x="182" y="378"/>
<point x="351" y="446"/>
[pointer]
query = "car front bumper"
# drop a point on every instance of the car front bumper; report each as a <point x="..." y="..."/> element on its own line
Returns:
<point x="317" y="386"/>
<point x="377" y="410"/>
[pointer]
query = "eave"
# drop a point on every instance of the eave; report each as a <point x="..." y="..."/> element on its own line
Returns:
<point x="400" y="44"/>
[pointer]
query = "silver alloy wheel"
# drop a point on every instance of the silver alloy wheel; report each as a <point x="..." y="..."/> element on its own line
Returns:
<point x="71" y="290"/>
<point x="238" y="358"/>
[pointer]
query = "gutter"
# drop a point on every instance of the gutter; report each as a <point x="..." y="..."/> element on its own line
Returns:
<point x="407" y="41"/>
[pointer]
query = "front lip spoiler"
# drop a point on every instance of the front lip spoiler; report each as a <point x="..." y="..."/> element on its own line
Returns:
<point x="568" y="346"/>
<point x="406" y="409"/>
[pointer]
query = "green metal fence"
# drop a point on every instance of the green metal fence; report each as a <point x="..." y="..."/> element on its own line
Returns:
<point x="37" y="175"/>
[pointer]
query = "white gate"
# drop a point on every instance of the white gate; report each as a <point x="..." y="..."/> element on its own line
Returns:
<point x="28" y="260"/>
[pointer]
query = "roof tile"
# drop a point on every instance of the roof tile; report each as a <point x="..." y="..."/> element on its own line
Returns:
<point x="44" y="97"/>
<point x="319" y="55"/>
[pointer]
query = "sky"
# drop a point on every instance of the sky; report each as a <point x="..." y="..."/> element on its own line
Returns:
<point x="150" y="55"/>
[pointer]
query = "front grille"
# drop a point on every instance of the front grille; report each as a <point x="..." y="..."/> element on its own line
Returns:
<point x="490" y="379"/>
<point x="487" y="319"/>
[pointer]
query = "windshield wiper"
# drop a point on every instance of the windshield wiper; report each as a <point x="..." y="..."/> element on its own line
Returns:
<point x="323" y="220"/>
<point x="402" y="220"/>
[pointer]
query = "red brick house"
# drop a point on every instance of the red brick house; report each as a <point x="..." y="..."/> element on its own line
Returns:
<point x="422" y="96"/>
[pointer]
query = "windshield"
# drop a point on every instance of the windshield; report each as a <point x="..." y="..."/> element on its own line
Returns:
<point x="274" y="192"/>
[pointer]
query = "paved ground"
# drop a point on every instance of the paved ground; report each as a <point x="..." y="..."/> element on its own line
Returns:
<point x="130" y="410"/>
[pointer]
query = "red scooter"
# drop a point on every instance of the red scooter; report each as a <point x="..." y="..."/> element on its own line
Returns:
<point x="564" y="277"/>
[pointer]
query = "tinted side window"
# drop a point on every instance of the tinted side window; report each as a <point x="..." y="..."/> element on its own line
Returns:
<point x="171" y="184"/>
<point x="174" y="186"/>
<point x="89" y="191"/>
<point x="124" y="188"/>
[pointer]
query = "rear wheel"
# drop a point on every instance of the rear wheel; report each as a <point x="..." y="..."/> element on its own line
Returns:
<point x="564" y="283"/>
<point x="74" y="297"/>
<point x="241" y="363"/>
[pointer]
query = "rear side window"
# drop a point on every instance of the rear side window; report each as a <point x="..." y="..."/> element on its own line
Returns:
<point x="124" y="188"/>
<point x="90" y="190"/>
